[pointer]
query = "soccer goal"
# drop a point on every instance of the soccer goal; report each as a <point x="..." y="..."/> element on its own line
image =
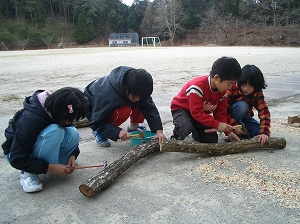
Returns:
<point x="151" y="41"/>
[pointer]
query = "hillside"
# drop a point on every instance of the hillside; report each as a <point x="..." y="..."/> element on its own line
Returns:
<point x="250" y="36"/>
<point x="241" y="36"/>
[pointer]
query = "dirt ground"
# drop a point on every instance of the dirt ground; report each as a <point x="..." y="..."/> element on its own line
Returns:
<point x="255" y="187"/>
<point x="22" y="72"/>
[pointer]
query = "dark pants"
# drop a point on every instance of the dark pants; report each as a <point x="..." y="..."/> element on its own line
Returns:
<point x="185" y="124"/>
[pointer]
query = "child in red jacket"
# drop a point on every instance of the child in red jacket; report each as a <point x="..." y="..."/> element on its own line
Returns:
<point x="202" y="103"/>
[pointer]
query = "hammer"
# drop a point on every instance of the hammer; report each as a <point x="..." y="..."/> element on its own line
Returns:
<point x="142" y="135"/>
<point x="245" y="131"/>
<point x="104" y="164"/>
<point x="215" y="130"/>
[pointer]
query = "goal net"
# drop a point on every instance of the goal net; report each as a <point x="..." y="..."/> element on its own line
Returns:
<point x="151" y="42"/>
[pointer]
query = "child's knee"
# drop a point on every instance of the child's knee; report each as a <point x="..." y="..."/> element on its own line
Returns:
<point x="72" y="133"/>
<point x="183" y="124"/>
<point x="120" y="115"/>
<point x="183" y="130"/>
<point x="53" y="131"/>
<point x="241" y="107"/>
<point x="187" y="128"/>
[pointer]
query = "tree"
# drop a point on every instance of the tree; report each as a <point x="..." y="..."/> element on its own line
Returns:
<point x="113" y="19"/>
<point x="34" y="8"/>
<point x="274" y="6"/>
<point x="194" y="11"/>
<point x="147" y="22"/>
<point x="21" y="43"/>
<point x="169" y="15"/>
<point x="136" y="14"/>
<point x="225" y="24"/>
<point x="210" y="20"/>
<point x="232" y="7"/>
<point x="84" y="30"/>
<point x="16" y="9"/>
<point x="47" y="40"/>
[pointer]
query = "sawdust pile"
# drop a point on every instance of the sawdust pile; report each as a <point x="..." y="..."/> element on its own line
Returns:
<point x="281" y="125"/>
<point x="236" y="172"/>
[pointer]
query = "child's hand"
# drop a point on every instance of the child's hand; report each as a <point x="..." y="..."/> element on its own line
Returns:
<point x="223" y="127"/>
<point x="59" y="169"/>
<point x="262" y="138"/>
<point x="124" y="135"/>
<point x="71" y="163"/>
<point x="233" y="137"/>
<point x="238" y="131"/>
<point x="160" y="136"/>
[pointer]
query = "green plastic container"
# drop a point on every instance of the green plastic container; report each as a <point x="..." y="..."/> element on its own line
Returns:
<point x="137" y="141"/>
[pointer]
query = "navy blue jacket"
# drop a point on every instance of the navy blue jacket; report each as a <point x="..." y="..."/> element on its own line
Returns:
<point x="107" y="94"/>
<point x="22" y="133"/>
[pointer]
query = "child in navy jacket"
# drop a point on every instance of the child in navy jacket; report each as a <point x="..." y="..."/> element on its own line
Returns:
<point x="40" y="138"/>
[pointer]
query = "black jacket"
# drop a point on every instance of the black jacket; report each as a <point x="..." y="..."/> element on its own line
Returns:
<point x="22" y="133"/>
<point x="107" y="94"/>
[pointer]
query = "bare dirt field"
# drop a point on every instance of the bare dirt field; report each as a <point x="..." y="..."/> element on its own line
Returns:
<point x="252" y="187"/>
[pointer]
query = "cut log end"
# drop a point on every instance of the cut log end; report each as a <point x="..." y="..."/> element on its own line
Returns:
<point x="86" y="190"/>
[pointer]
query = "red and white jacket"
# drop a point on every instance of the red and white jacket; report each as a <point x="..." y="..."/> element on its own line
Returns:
<point x="206" y="106"/>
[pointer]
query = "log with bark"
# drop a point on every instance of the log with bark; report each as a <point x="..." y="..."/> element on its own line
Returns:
<point x="115" y="169"/>
<point x="217" y="149"/>
<point x="82" y="123"/>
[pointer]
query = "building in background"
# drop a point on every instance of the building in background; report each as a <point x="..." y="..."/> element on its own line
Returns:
<point x="123" y="39"/>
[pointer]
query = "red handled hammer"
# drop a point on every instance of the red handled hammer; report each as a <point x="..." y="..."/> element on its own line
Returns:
<point x="215" y="130"/>
<point x="104" y="164"/>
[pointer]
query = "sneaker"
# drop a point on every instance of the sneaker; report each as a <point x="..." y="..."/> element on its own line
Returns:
<point x="225" y="137"/>
<point x="101" y="141"/>
<point x="143" y="128"/>
<point x="30" y="182"/>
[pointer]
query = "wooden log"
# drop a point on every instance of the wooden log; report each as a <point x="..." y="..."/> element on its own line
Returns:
<point x="115" y="169"/>
<point x="82" y="123"/>
<point x="222" y="148"/>
<point x="295" y="119"/>
<point x="107" y="175"/>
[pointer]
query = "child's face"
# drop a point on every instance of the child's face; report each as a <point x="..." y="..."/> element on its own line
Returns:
<point x="225" y="85"/>
<point x="222" y="86"/>
<point x="132" y="98"/>
<point x="247" y="89"/>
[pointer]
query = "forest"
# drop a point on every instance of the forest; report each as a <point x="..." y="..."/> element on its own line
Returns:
<point x="57" y="23"/>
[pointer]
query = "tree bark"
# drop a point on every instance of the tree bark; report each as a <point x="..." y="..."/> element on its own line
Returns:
<point x="81" y="123"/>
<point x="222" y="148"/>
<point x="115" y="169"/>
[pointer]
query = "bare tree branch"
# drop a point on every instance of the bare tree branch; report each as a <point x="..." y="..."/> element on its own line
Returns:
<point x="169" y="15"/>
<point x="147" y="22"/>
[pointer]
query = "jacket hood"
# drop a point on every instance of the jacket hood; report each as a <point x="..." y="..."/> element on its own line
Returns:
<point x="116" y="78"/>
<point x="33" y="104"/>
